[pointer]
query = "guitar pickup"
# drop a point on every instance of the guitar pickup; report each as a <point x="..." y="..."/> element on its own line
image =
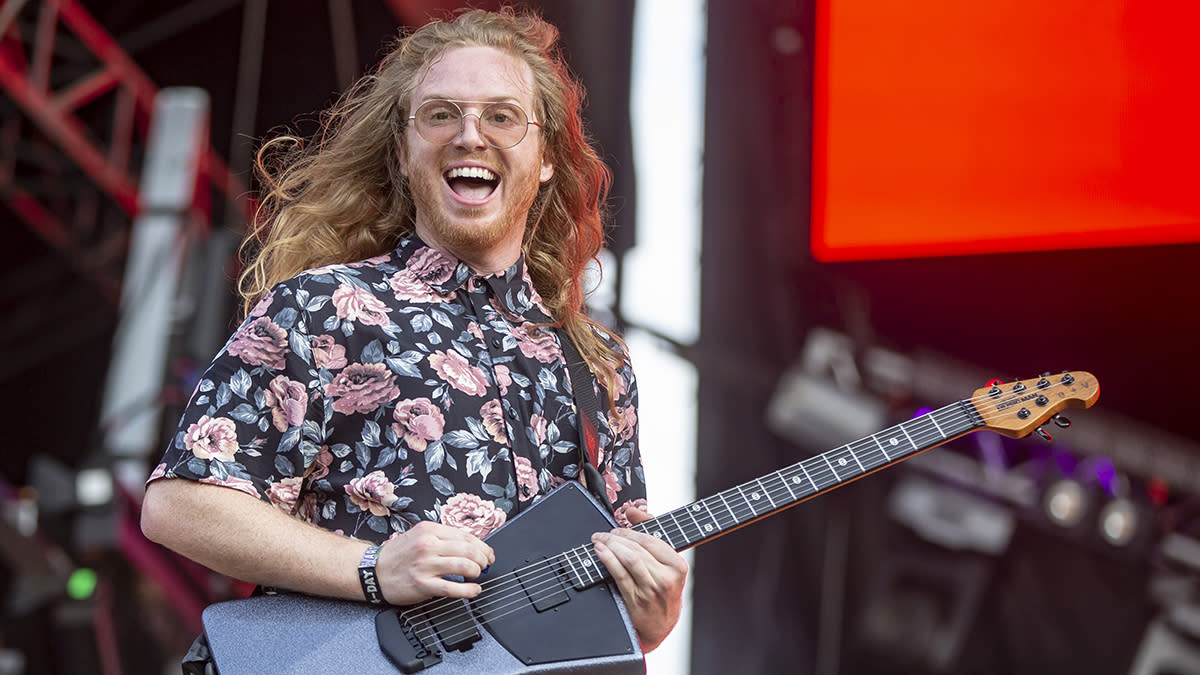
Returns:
<point x="542" y="582"/>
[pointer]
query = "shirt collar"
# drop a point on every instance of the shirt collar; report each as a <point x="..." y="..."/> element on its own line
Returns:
<point x="445" y="275"/>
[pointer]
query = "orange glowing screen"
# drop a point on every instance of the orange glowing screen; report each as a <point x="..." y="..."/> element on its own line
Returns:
<point x="944" y="127"/>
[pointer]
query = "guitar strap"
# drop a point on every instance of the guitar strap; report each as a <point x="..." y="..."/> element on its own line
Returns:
<point x="583" y="385"/>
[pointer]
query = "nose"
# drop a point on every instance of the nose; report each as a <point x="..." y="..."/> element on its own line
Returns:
<point x="470" y="134"/>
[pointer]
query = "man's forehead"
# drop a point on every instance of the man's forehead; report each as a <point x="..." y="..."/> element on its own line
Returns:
<point x="477" y="74"/>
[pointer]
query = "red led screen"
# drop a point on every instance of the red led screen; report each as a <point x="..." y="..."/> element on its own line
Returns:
<point x="944" y="127"/>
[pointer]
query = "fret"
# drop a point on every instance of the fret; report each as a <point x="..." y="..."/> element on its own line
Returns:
<point x="716" y="521"/>
<point x="693" y="517"/>
<point x="881" y="448"/>
<point x="933" y="418"/>
<point x="785" y="484"/>
<point x="706" y="529"/>
<point x="847" y="470"/>
<point x="766" y="492"/>
<point x="756" y="497"/>
<point x="727" y="507"/>
<point x="577" y="581"/>
<point x="666" y="536"/>
<point x="814" y="483"/>
<point x="868" y="457"/>
<point x="860" y="465"/>
<point x="910" y="440"/>
<point x="832" y="470"/>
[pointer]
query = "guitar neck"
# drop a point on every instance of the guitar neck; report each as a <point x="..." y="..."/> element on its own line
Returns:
<point x="723" y="512"/>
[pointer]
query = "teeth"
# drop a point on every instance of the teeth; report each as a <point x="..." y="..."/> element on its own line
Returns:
<point x="471" y="172"/>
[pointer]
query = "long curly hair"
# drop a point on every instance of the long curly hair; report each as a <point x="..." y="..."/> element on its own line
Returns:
<point x="341" y="196"/>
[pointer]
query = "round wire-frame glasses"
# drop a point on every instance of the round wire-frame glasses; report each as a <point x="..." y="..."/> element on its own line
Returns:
<point x="502" y="124"/>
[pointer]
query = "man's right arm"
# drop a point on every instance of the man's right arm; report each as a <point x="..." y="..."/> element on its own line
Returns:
<point x="237" y="535"/>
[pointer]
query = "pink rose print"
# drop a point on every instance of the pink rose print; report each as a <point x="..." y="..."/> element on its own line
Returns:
<point x="454" y="369"/>
<point x="538" y="423"/>
<point x="541" y="347"/>
<point x="475" y="331"/>
<point x="212" y="438"/>
<point x="471" y="514"/>
<point x="320" y="468"/>
<point x="406" y="287"/>
<point x="287" y="400"/>
<point x="431" y="266"/>
<point x="260" y="343"/>
<point x="355" y="303"/>
<point x="373" y="492"/>
<point x="493" y="420"/>
<point x="361" y="388"/>
<point x="624" y="423"/>
<point x="327" y="353"/>
<point x="240" y="484"/>
<point x="503" y="379"/>
<point x="612" y="486"/>
<point x="621" y="514"/>
<point x="159" y="472"/>
<point x="527" y="480"/>
<point x="261" y="306"/>
<point x="418" y="421"/>
<point x="285" y="493"/>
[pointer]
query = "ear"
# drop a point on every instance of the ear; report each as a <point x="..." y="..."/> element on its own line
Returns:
<point x="402" y="156"/>
<point x="547" y="170"/>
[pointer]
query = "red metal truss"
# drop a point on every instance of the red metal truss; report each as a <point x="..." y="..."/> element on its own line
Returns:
<point x="26" y="69"/>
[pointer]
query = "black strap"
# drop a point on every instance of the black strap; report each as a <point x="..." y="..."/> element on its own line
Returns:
<point x="588" y="404"/>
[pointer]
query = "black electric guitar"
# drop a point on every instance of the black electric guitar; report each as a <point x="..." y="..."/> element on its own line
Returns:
<point x="548" y="604"/>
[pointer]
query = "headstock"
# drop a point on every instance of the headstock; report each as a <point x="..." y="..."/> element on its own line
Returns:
<point x="1017" y="409"/>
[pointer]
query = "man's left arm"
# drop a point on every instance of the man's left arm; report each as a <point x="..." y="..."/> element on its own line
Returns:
<point x="650" y="575"/>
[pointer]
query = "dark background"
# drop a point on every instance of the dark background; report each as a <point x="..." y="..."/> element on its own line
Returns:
<point x="1053" y="600"/>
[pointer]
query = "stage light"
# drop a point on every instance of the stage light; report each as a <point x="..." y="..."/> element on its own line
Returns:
<point x="1119" y="522"/>
<point x="81" y="584"/>
<point x="1065" y="502"/>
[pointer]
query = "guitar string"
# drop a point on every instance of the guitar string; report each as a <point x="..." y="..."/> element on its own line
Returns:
<point x="550" y="573"/>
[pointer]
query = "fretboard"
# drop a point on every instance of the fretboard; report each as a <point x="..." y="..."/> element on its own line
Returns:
<point x="699" y="521"/>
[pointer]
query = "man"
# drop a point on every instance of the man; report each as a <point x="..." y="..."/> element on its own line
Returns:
<point x="396" y="380"/>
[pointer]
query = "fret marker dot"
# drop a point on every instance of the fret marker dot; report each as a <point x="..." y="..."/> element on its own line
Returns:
<point x="894" y="441"/>
<point x="587" y="562"/>
<point x="659" y="534"/>
<point x="708" y="527"/>
<point x="842" y="461"/>
<point x="754" y="495"/>
<point x="695" y="507"/>
<point x="796" y="480"/>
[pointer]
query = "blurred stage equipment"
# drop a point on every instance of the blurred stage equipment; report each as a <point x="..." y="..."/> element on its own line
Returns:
<point x="1171" y="643"/>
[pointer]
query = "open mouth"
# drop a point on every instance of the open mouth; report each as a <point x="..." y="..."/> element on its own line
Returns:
<point x="472" y="182"/>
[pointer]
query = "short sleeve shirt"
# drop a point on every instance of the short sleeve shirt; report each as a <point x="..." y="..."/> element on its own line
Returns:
<point x="369" y="396"/>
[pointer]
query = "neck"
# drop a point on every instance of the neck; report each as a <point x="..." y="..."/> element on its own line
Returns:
<point x="484" y="255"/>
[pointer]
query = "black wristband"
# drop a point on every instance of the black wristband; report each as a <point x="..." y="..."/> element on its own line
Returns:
<point x="368" y="578"/>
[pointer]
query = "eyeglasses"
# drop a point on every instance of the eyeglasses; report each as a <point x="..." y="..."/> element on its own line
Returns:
<point x="502" y="125"/>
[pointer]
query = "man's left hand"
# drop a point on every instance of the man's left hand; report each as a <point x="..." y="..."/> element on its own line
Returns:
<point x="649" y="574"/>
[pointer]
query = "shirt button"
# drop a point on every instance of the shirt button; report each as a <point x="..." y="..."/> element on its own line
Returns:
<point x="524" y="490"/>
<point x="496" y="342"/>
<point x="512" y="414"/>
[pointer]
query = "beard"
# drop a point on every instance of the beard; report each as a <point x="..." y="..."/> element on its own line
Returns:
<point x="468" y="232"/>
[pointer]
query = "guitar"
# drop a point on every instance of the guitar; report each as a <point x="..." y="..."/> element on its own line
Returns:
<point x="548" y="604"/>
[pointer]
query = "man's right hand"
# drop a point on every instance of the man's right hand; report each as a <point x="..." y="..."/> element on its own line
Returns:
<point x="412" y="564"/>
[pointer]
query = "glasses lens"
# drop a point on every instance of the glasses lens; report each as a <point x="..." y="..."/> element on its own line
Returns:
<point x="438" y="121"/>
<point x="503" y="125"/>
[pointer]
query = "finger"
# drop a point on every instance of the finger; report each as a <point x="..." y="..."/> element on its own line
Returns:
<point x="452" y="589"/>
<point x="660" y="549"/>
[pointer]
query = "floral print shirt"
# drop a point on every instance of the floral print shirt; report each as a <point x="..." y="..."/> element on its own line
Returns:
<point x="369" y="396"/>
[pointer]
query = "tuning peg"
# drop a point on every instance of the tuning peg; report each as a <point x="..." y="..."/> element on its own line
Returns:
<point x="1044" y="435"/>
<point x="1061" y="422"/>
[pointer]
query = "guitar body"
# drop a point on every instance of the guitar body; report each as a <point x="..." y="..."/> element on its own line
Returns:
<point x="531" y="617"/>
